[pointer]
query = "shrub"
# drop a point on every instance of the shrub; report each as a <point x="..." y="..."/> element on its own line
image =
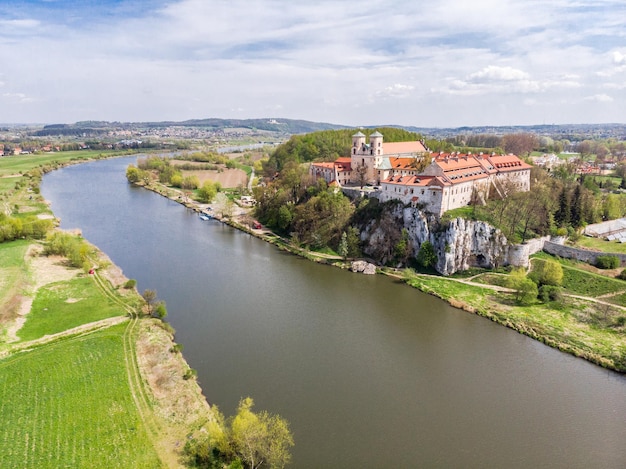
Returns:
<point x="607" y="262"/>
<point x="550" y="293"/>
<point x="622" y="275"/>
<point x="130" y="284"/>
<point x="74" y="248"/>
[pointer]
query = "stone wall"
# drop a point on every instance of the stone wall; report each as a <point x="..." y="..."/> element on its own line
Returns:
<point x="579" y="254"/>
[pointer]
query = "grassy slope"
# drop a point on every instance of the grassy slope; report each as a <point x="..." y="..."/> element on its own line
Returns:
<point x="63" y="305"/>
<point x="69" y="404"/>
<point x="581" y="327"/>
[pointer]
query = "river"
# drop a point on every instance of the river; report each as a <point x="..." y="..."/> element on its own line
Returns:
<point x="369" y="372"/>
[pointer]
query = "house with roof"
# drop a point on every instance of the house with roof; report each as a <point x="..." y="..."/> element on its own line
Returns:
<point x="451" y="180"/>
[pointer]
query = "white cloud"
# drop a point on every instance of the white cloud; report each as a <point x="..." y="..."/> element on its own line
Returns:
<point x="619" y="58"/>
<point x="19" y="24"/>
<point x="330" y="61"/>
<point x="397" y="90"/>
<point x="20" y="97"/>
<point x="495" y="73"/>
<point x="601" y="98"/>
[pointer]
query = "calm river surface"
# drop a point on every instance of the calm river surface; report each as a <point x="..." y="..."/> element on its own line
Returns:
<point x="370" y="373"/>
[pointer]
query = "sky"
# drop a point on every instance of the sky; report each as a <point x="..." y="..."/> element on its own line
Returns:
<point x="437" y="63"/>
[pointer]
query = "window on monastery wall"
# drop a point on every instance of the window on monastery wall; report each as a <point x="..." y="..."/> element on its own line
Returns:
<point x="354" y="151"/>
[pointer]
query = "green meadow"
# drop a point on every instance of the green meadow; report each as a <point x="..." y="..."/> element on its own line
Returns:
<point x="64" y="305"/>
<point x="19" y="164"/>
<point x="69" y="404"/>
<point x="582" y="327"/>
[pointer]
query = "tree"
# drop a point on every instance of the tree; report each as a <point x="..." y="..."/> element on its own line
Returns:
<point x="207" y="192"/>
<point x="550" y="273"/>
<point x="361" y="175"/>
<point x="132" y="173"/>
<point x="285" y="216"/>
<point x="224" y="206"/>
<point x="353" y="241"/>
<point x="611" y="209"/>
<point x="526" y="290"/>
<point x="403" y="247"/>
<point x="150" y="297"/>
<point x="260" y="438"/>
<point x="190" y="182"/>
<point x="520" y="144"/>
<point x="176" y="180"/>
<point x="343" y="245"/>
<point x="426" y="255"/>
<point x="160" y="310"/>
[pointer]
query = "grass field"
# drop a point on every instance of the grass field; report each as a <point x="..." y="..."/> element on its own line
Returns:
<point x="63" y="305"/>
<point x="580" y="327"/>
<point x="602" y="245"/>
<point x="69" y="404"/>
<point x="13" y="276"/>
<point x="80" y="400"/>
<point x="579" y="278"/>
<point x="19" y="164"/>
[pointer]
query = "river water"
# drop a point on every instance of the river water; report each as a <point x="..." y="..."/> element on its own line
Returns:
<point x="369" y="372"/>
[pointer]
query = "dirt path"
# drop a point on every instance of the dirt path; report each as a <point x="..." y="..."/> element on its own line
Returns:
<point x="79" y="330"/>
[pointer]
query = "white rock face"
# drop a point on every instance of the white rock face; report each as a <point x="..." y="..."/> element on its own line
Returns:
<point x="459" y="244"/>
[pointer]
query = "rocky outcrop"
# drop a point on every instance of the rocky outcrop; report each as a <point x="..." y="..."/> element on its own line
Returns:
<point x="458" y="244"/>
<point x="465" y="243"/>
<point x="363" y="267"/>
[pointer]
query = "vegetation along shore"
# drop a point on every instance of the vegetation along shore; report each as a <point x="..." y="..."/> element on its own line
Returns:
<point x="101" y="379"/>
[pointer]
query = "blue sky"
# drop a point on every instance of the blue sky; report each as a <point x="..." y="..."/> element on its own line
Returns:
<point x="442" y="63"/>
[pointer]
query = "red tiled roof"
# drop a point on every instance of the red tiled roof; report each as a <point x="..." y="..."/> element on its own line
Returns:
<point x="391" y="148"/>
<point x="508" y="162"/>
<point x="402" y="163"/>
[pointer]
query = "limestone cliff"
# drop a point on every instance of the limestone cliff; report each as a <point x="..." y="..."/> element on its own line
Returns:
<point x="459" y="243"/>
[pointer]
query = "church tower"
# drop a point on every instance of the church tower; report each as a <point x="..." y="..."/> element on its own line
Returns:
<point x="376" y="144"/>
<point x="358" y="140"/>
<point x="365" y="158"/>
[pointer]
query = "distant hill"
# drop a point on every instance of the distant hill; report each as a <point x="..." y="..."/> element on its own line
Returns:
<point x="282" y="126"/>
<point x="287" y="127"/>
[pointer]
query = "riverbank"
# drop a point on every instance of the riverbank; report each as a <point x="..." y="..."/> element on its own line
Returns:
<point x="578" y="325"/>
<point x="87" y="341"/>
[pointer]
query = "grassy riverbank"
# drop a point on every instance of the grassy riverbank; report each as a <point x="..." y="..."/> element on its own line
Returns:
<point x="85" y="381"/>
<point x="581" y="326"/>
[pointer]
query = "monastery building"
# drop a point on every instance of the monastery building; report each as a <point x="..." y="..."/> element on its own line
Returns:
<point x="450" y="181"/>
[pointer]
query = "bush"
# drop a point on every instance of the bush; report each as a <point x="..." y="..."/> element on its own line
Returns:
<point x="74" y="248"/>
<point x="130" y="284"/>
<point x="622" y="275"/>
<point x="607" y="262"/>
<point x="550" y="293"/>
